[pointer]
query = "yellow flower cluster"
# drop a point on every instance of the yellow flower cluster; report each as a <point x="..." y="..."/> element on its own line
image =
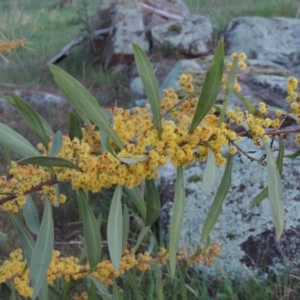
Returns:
<point x="141" y="142"/>
<point x="7" y="47"/>
<point x="82" y="296"/>
<point x="255" y="126"/>
<point x="22" y="179"/>
<point x="241" y="65"/>
<point x="14" y="270"/>
<point x="68" y="268"/>
<point x="185" y="81"/>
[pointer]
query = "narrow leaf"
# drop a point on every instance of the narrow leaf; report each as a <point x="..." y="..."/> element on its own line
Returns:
<point x="6" y="154"/>
<point x="125" y="227"/>
<point x="31" y="215"/>
<point x="75" y="127"/>
<point x="145" y="230"/>
<point x="43" y="294"/>
<point x="250" y="107"/>
<point x="42" y="252"/>
<point x="136" y="197"/>
<point x="134" y="287"/>
<point x="25" y="238"/>
<point x="115" y="228"/>
<point x="47" y="161"/>
<point x="216" y="207"/>
<point x="275" y="192"/>
<point x="210" y="176"/>
<point x="116" y="291"/>
<point x="91" y="232"/>
<point x="3" y="236"/>
<point x="153" y="203"/>
<point x="211" y="87"/>
<point x="83" y="102"/>
<point x="229" y="88"/>
<point x="177" y="219"/>
<point x="14" y="141"/>
<point x="56" y="143"/>
<point x="279" y="162"/>
<point x="150" y="84"/>
<point x="101" y="287"/>
<point x="294" y="155"/>
<point x="32" y="119"/>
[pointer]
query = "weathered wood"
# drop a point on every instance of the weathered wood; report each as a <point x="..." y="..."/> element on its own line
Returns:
<point x="66" y="50"/>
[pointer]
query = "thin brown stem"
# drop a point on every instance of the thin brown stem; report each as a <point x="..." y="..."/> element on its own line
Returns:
<point x="32" y="190"/>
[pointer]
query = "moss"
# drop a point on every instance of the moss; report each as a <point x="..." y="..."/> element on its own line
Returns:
<point x="175" y="27"/>
<point x="194" y="178"/>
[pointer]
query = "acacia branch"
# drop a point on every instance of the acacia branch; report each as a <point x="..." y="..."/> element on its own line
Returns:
<point x="32" y="190"/>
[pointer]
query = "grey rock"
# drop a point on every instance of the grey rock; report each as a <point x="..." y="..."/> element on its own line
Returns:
<point x="137" y="87"/>
<point x="128" y="29"/>
<point x="244" y="233"/>
<point x="189" y="66"/>
<point x="191" y="36"/>
<point x="268" y="39"/>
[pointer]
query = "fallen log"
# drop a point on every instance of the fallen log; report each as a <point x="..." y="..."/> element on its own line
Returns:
<point x="66" y="50"/>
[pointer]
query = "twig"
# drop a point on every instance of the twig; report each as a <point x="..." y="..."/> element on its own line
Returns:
<point x="273" y="132"/>
<point x="260" y="160"/>
<point x="161" y="12"/>
<point x="32" y="190"/>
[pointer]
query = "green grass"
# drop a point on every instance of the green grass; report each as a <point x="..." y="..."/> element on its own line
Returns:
<point x="221" y="12"/>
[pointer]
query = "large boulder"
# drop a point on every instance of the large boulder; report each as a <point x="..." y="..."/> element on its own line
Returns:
<point x="246" y="234"/>
<point x="191" y="36"/>
<point x="273" y="39"/>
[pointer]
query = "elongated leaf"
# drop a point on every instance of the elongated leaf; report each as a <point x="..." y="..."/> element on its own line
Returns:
<point x="294" y="155"/>
<point x="83" y="102"/>
<point x="130" y="161"/>
<point x="210" y="176"/>
<point x="145" y="230"/>
<point x="115" y="228"/>
<point x="47" y="161"/>
<point x="116" y="291"/>
<point x="262" y="195"/>
<point x="279" y="162"/>
<point x="3" y="236"/>
<point x="32" y="119"/>
<point x="91" y="232"/>
<point x="43" y="294"/>
<point x="150" y="84"/>
<point x="47" y="127"/>
<point x="16" y="142"/>
<point x="134" y="287"/>
<point x="6" y="154"/>
<point x="92" y="291"/>
<point x="229" y="88"/>
<point x="101" y="287"/>
<point x="177" y="219"/>
<point x="75" y="127"/>
<point x="42" y="252"/>
<point x="5" y="291"/>
<point x="211" y="87"/>
<point x="159" y="288"/>
<point x="250" y="107"/>
<point x="25" y="238"/>
<point x="153" y="203"/>
<point x="31" y="215"/>
<point x="125" y="227"/>
<point x="56" y="144"/>
<point x="216" y="207"/>
<point x="136" y="197"/>
<point x="275" y="192"/>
